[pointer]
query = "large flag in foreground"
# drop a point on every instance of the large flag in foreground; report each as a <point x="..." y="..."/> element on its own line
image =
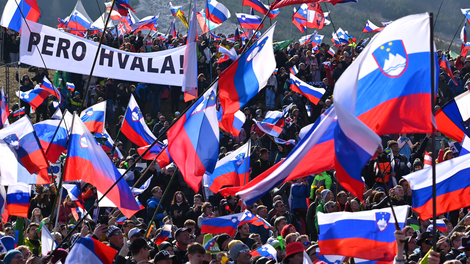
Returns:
<point x="53" y="138"/>
<point x="193" y="141"/>
<point x="452" y="187"/>
<point x="400" y="66"/>
<point x="88" y="162"/>
<point x="244" y="78"/>
<point x="307" y="150"/>
<point x="355" y="234"/>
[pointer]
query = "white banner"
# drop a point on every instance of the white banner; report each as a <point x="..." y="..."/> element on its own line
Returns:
<point x="67" y="52"/>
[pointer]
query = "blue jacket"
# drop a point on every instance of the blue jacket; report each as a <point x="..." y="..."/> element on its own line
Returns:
<point x="299" y="195"/>
<point x="456" y="89"/>
<point x="152" y="204"/>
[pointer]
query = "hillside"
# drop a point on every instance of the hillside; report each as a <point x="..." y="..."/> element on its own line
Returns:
<point x="351" y="17"/>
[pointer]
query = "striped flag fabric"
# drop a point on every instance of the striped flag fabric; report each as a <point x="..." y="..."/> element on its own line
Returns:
<point x="354" y="234"/>
<point x="216" y="12"/>
<point x="452" y="188"/>
<point x="18" y="199"/>
<point x="90" y="251"/>
<point x="427" y="160"/>
<point x="313" y="94"/>
<point x="4" y="111"/>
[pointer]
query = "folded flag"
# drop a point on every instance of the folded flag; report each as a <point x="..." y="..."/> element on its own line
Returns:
<point x="108" y="144"/>
<point x="134" y="126"/>
<point x="446" y="66"/>
<point x="233" y="169"/>
<point x="18" y="199"/>
<point x="441" y="225"/>
<point x="180" y="15"/>
<point x="164" y="234"/>
<point x="465" y="146"/>
<point x="90" y="251"/>
<point x="149" y="23"/>
<point x="7" y="243"/>
<point x="223" y="224"/>
<point x="249" y="21"/>
<point x="285" y="142"/>
<point x="466" y="13"/>
<point x="193" y="141"/>
<point x="174" y="9"/>
<point x="123" y="7"/>
<point x="75" y="194"/>
<point x="4" y="111"/>
<point x="216" y="12"/>
<point x="205" y="24"/>
<point x="308" y="39"/>
<point x="154" y="151"/>
<point x="315" y="16"/>
<point x="243" y="79"/>
<point x="452" y="188"/>
<point x="250" y="218"/>
<point x="172" y="31"/>
<point x="427" y="160"/>
<point x="78" y="23"/>
<point x="190" y="80"/>
<point x="53" y="138"/>
<point x="453" y="118"/>
<point x="88" y="162"/>
<point x="372" y="28"/>
<point x="266" y="251"/>
<point x="312" y="93"/>
<point x="48" y="242"/>
<point x="70" y="86"/>
<point x="268" y="128"/>
<point x="340" y="37"/>
<point x="318" y="140"/>
<point x="36" y="96"/>
<point x="262" y="8"/>
<point x="94" y="117"/>
<point x="331" y="51"/>
<point x="354" y="234"/>
<point x="19" y="112"/>
<point x="23" y="141"/>
<point x="294" y="70"/>
<point x="12" y="13"/>
<point x="78" y="213"/>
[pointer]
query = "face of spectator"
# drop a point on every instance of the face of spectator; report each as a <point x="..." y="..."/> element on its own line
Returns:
<point x="426" y="245"/>
<point x="33" y="232"/>
<point x="196" y="258"/>
<point x="305" y="242"/>
<point x="208" y="210"/>
<point x="354" y="206"/>
<point x="10" y="233"/>
<point x="282" y="224"/>
<point x="263" y="213"/>
<point x="179" y="198"/>
<point x="457" y="242"/>
<point x="26" y="253"/>
<point x="298" y="258"/>
<point x="399" y="193"/>
<point x="184" y="238"/>
<point x="197" y="201"/>
<point x="265" y="156"/>
<point x="127" y="227"/>
<point x="17" y="259"/>
<point x="281" y="208"/>
<point x="244" y="256"/>
<point x="117" y="238"/>
<point x="332" y="208"/>
<point x="157" y="193"/>
<point x="395" y="148"/>
<point x="245" y="230"/>
<point x="343" y="198"/>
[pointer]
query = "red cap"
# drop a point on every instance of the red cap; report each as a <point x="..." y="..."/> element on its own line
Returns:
<point x="293" y="248"/>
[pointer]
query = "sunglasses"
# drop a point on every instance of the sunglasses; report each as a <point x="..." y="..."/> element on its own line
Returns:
<point x="244" y="250"/>
<point x="117" y="233"/>
<point x="157" y="191"/>
<point x="428" y="242"/>
<point x="306" y="243"/>
<point x="130" y="226"/>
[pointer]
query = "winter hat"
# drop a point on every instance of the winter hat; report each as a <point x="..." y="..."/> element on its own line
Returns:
<point x="285" y="230"/>
<point x="9" y="256"/>
<point x="235" y="250"/>
<point x="324" y="193"/>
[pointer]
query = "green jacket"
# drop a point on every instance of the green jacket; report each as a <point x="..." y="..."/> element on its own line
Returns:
<point x="322" y="179"/>
<point x="319" y="209"/>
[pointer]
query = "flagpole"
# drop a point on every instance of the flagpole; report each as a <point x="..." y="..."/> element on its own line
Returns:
<point x="256" y="31"/>
<point x="127" y="170"/>
<point x="458" y="29"/>
<point x="438" y="11"/>
<point x="433" y="139"/>
<point x="96" y="57"/>
<point x="57" y="200"/>
<point x="331" y="20"/>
